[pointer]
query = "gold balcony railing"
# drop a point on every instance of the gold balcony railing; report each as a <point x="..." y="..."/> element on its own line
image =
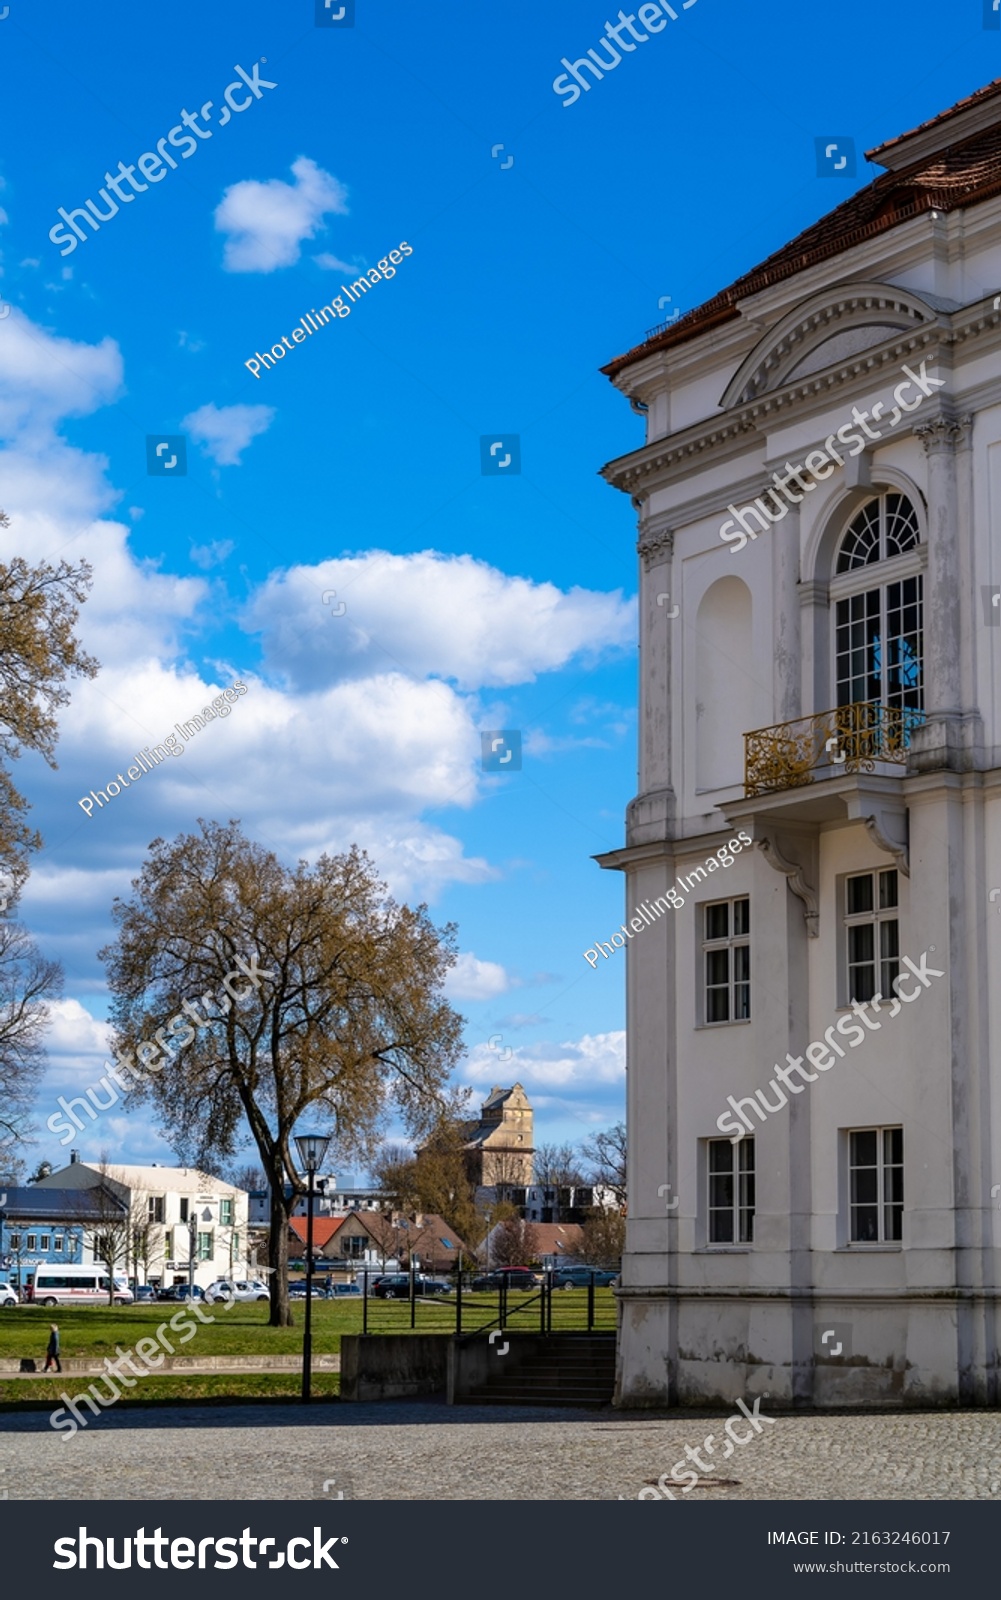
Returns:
<point x="847" y="739"/>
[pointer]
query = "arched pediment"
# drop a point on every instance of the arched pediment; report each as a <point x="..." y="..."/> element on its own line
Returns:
<point x="826" y="330"/>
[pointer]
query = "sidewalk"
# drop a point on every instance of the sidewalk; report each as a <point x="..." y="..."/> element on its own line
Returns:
<point x="93" y="1366"/>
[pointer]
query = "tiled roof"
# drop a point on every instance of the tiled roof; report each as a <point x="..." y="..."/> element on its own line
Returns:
<point x="950" y="179"/>
<point x="38" y="1204"/>
<point x="324" y="1229"/>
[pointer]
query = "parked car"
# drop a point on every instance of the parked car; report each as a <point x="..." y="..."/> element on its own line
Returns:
<point x="223" y="1289"/>
<point x="396" y="1286"/>
<point x="182" y="1291"/>
<point x="514" y="1277"/>
<point x="580" y="1277"/>
<point x="341" y="1291"/>
<point x="8" y="1296"/>
<point x="144" y="1293"/>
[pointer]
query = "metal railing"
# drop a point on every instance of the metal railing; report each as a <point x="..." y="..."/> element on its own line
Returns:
<point x="847" y="739"/>
<point x="546" y="1307"/>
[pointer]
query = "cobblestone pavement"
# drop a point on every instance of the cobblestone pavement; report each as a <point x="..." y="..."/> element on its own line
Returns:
<point x="423" y="1450"/>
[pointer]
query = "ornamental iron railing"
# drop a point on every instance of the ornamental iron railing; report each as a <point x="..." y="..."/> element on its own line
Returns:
<point x="848" y="739"/>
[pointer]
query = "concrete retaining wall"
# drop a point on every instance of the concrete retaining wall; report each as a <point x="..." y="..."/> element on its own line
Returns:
<point x="390" y="1366"/>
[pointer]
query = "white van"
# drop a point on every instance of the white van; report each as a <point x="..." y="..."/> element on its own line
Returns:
<point x="66" y="1285"/>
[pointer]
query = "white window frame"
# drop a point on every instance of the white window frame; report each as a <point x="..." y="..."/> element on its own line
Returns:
<point x="881" y="1242"/>
<point x="731" y="943"/>
<point x="741" y="1212"/>
<point x="876" y="919"/>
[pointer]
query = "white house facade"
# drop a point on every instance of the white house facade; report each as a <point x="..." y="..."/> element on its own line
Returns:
<point x="177" y="1214"/>
<point x="813" y="860"/>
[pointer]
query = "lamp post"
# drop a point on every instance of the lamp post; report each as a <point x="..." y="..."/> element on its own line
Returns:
<point x="192" y="1247"/>
<point x="312" y="1148"/>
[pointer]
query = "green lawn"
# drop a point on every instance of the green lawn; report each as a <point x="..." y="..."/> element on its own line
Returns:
<point x="168" y="1389"/>
<point x="242" y="1329"/>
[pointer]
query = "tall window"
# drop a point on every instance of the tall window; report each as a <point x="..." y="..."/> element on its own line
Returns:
<point x="873" y="933"/>
<point x="206" y="1247"/>
<point x="156" y="1208"/>
<point x="876" y="1185"/>
<point x="727" y="960"/>
<point x="226" y="1213"/>
<point x="731" y="1191"/>
<point x="879" y="646"/>
<point x="184" y="1204"/>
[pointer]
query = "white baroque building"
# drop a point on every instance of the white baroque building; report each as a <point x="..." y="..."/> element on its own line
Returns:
<point x="820" y="788"/>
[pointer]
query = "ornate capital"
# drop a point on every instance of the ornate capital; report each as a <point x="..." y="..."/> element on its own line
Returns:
<point x="945" y="434"/>
<point x="655" y="544"/>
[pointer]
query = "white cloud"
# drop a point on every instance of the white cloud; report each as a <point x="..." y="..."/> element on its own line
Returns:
<point x="213" y="554"/>
<point x="44" y="378"/>
<point x="593" y="1061"/>
<point x="331" y="263"/>
<point x="426" y="613"/>
<point x="472" y="979"/>
<point x="224" y="432"/>
<point x="267" y="222"/>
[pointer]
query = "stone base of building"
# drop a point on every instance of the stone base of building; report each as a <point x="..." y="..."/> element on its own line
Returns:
<point x="921" y="1349"/>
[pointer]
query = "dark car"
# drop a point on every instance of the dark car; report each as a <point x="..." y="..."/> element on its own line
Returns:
<point x="182" y="1291"/>
<point x="397" y="1286"/>
<point x="514" y="1277"/>
<point x="341" y="1291"/>
<point x="580" y="1277"/>
<point x="144" y="1293"/>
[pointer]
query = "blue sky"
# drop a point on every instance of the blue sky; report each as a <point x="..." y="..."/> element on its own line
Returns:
<point x="472" y="602"/>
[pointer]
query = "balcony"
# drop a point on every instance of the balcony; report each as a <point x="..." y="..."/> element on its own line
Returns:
<point x="847" y="740"/>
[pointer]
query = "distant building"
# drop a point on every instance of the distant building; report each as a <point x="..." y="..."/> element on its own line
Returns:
<point x="330" y="1200"/>
<point x="554" y="1244"/>
<point x="498" y="1145"/>
<point x="40" y="1226"/>
<point x="170" y="1208"/>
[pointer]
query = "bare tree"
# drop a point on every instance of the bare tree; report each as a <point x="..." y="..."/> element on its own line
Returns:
<point x="557" y="1166"/>
<point x="250" y="1178"/>
<point x="606" y="1156"/>
<point x="515" y="1243"/>
<point x="602" y="1240"/>
<point x="27" y="982"/>
<point x="341" y="1012"/>
<point x="108" y="1228"/>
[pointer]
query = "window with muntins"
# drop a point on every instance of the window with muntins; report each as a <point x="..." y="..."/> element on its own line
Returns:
<point x="876" y="1185"/>
<point x="727" y="960"/>
<point x="872" y="931"/>
<point x="878" y="623"/>
<point x="731" y="1191"/>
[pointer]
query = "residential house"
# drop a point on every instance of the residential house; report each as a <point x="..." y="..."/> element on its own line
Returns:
<point x="177" y="1215"/>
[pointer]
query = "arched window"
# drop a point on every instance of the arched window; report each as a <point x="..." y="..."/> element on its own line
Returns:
<point x="877" y="593"/>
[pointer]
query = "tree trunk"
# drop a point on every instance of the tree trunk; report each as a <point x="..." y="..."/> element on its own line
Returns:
<point x="281" y="1311"/>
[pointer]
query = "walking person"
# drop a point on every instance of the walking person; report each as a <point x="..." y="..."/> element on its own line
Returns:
<point x="52" y="1350"/>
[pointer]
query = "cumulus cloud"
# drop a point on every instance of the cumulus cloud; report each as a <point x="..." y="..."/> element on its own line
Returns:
<point x="224" y="432"/>
<point x="267" y="222"/>
<point x="212" y="554"/>
<point x="453" y="617"/>
<point x="472" y="979"/>
<point x="596" y="1059"/>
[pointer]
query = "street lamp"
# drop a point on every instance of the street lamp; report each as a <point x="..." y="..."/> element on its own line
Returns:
<point x="312" y="1148"/>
